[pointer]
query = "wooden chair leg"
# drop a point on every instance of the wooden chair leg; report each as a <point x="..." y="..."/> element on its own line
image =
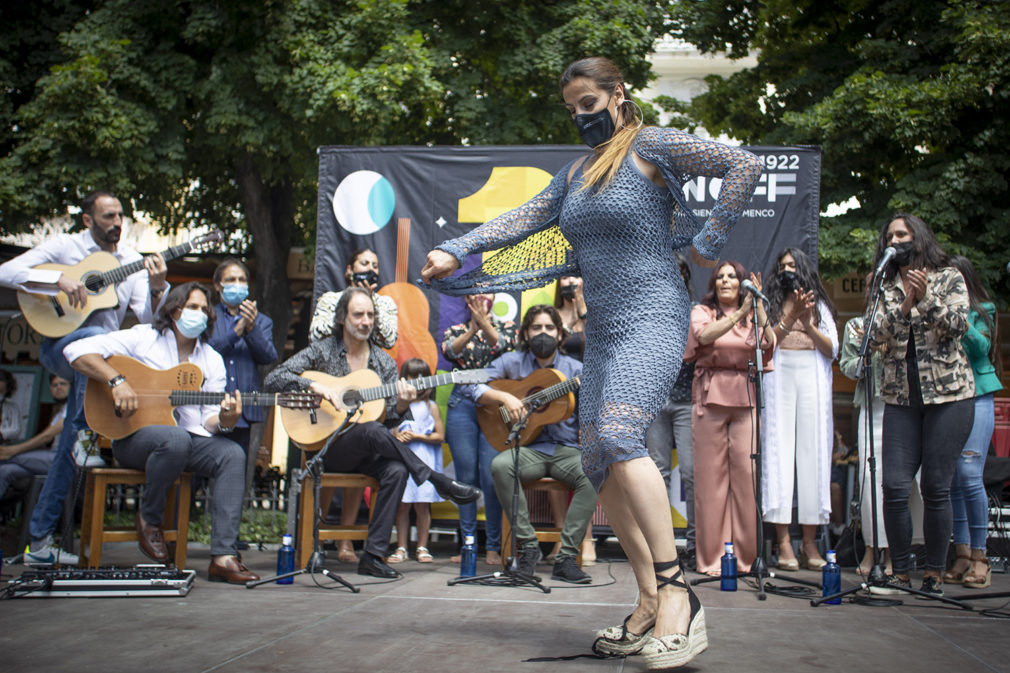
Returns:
<point x="306" y="518"/>
<point x="182" y="519"/>
<point x="97" y="518"/>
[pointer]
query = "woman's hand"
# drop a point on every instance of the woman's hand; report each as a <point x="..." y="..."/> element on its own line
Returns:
<point x="439" y="265"/>
<point x="702" y="261"/>
<point x="803" y="305"/>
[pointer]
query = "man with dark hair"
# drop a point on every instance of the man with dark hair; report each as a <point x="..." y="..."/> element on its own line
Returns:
<point x="199" y="443"/>
<point x="366" y="448"/>
<point x="555" y="452"/>
<point x="33" y="456"/>
<point x="102" y="216"/>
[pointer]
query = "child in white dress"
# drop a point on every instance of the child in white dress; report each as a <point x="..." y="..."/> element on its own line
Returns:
<point x="424" y="434"/>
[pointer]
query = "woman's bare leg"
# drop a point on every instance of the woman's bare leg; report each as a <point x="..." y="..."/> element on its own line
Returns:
<point x="635" y="499"/>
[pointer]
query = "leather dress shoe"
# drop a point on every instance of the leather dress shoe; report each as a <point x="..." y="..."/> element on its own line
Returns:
<point x="151" y="540"/>
<point x="459" y="493"/>
<point x="370" y="564"/>
<point x="232" y="571"/>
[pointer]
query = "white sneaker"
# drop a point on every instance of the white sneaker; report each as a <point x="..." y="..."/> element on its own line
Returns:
<point x="49" y="554"/>
<point x="86" y="450"/>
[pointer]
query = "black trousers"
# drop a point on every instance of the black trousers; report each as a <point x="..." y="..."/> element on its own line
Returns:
<point x="370" y="448"/>
<point x="931" y="437"/>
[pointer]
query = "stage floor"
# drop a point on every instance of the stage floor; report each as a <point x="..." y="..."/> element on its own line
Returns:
<point x="419" y="624"/>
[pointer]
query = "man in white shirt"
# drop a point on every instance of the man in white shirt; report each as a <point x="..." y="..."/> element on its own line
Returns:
<point x="197" y="444"/>
<point x="102" y="216"/>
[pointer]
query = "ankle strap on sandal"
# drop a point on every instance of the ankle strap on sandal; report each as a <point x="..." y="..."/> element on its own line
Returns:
<point x="662" y="581"/>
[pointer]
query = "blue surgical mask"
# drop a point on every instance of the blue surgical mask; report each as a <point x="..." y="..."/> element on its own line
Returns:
<point x="234" y="293"/>
<point x="191" y="323"/>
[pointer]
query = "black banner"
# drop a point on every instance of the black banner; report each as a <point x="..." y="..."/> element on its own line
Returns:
<point x="381" y="197"/>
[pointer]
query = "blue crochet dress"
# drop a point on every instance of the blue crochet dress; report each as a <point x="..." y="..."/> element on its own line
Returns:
<point x="621" y="241"/>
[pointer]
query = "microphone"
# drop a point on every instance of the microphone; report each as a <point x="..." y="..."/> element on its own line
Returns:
<point x="749" y="286"/>
<point x="889" y="253"/>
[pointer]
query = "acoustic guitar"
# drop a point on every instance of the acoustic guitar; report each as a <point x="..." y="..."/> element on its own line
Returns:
<point x="160" y="391"/>
<point x="545" y="387"/>
<point x="361" y="392"/>
<point x="54" y="316"/>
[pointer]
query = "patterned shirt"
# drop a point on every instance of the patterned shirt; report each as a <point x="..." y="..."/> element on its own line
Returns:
<point x="329" y="356"/>
<point x="385" y="333"/>
<point x="478" y="352"/>
<point x="937" y="321"/>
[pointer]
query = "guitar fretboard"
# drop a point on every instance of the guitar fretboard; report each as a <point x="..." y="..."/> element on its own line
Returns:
<point x="389" y="389"/>
<point x="118" y="274"/>
<point x="552" y="393"/>
<point x="180" y="398"/>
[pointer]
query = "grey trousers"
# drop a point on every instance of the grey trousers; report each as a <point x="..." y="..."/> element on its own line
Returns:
<point x="672" y="428"/>
<point x="165" y="452"/>
<point x="25" y="464"/>
<point x="564" y="466"/>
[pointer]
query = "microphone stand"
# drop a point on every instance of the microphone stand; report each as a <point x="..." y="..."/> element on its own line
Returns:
<point x="314" y="467"/>
<point x="511" y="576"/>
<point x="755" y="374"/>
<point x="877" y="577"/>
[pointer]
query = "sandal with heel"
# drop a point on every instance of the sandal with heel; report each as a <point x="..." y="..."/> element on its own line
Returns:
<point x="618" y="641"/>
<point x="672" y="651"/>
<point x="976" y="581"/>
<point x="952" y="577"/>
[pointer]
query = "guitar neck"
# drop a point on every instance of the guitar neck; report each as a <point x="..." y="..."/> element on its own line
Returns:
<point x="118" y="274"/>
<point x="551" y="393"/>
<point x="180" y="398"/>
<point x="389" y="389"/>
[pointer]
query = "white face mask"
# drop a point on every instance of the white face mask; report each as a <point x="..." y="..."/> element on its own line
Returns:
<point x="191" y="323"/>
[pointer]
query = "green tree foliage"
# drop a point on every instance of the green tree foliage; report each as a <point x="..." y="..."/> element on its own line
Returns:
<point x="908" y="100"/>
<point x="210" y="113"/>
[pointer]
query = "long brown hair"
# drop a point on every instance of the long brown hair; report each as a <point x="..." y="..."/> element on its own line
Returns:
<point x="976" y="296"/>
<point x="607" y="77"/>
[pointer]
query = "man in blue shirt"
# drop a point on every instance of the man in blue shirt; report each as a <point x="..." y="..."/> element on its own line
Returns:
<point x="555" y="453"/>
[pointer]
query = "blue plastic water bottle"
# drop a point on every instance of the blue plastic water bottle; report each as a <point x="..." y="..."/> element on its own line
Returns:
<point x="727" y="581"/>
<point x="285" y="560"/>
<point x="831" y="578"/>
<point x="468" y="558"/>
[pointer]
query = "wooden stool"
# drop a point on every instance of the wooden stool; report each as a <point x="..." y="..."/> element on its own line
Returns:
<point x="93" y="531"/>
<point x="543" y="533"/>
<point x="307" y="511"/>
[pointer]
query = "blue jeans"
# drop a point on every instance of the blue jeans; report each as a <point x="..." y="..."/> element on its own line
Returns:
<point x="471" y="458"/>
<point x="672" y="428"/>
<point x="968" y="500"/>
<point x="61" y="472"/>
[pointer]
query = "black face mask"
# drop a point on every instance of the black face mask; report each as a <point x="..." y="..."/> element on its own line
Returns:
<point x="903" y="253"/>
<point x="595" y="128"/>
<point x="789" y="281"/>
<point x="367" y="277"/>
<point x="543" y="345"/>
<point x="568" y="292"/>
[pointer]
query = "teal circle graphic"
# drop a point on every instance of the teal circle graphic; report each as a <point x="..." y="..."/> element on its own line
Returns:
<point x="363" y="202"/>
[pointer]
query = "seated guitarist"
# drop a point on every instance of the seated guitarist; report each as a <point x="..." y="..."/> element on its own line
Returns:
<point x="554" y="453"/>
<point x="199" y="443"/>
<point x="102" y="215"/>
<point x="366" y="448"/>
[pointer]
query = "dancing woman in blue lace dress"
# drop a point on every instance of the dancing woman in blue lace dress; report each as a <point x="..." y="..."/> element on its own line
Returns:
<point x="622" y="214"/>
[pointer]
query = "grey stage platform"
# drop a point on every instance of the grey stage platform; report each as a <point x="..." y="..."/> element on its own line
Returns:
<point x="418" y="624"/>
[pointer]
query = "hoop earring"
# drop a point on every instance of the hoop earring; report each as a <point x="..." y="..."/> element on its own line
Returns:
<point x="640" y="116"/>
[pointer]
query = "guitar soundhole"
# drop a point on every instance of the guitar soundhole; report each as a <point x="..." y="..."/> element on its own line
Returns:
<point x="351" y="399"/>
<point x="94" y="283"/>
<point x="534" y="391"/>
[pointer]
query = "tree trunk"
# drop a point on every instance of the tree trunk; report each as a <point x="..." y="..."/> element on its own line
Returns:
<point x="269" y="213"/>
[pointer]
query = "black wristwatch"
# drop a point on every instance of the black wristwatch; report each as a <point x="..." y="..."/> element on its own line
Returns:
<point x="116" y="380"/>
